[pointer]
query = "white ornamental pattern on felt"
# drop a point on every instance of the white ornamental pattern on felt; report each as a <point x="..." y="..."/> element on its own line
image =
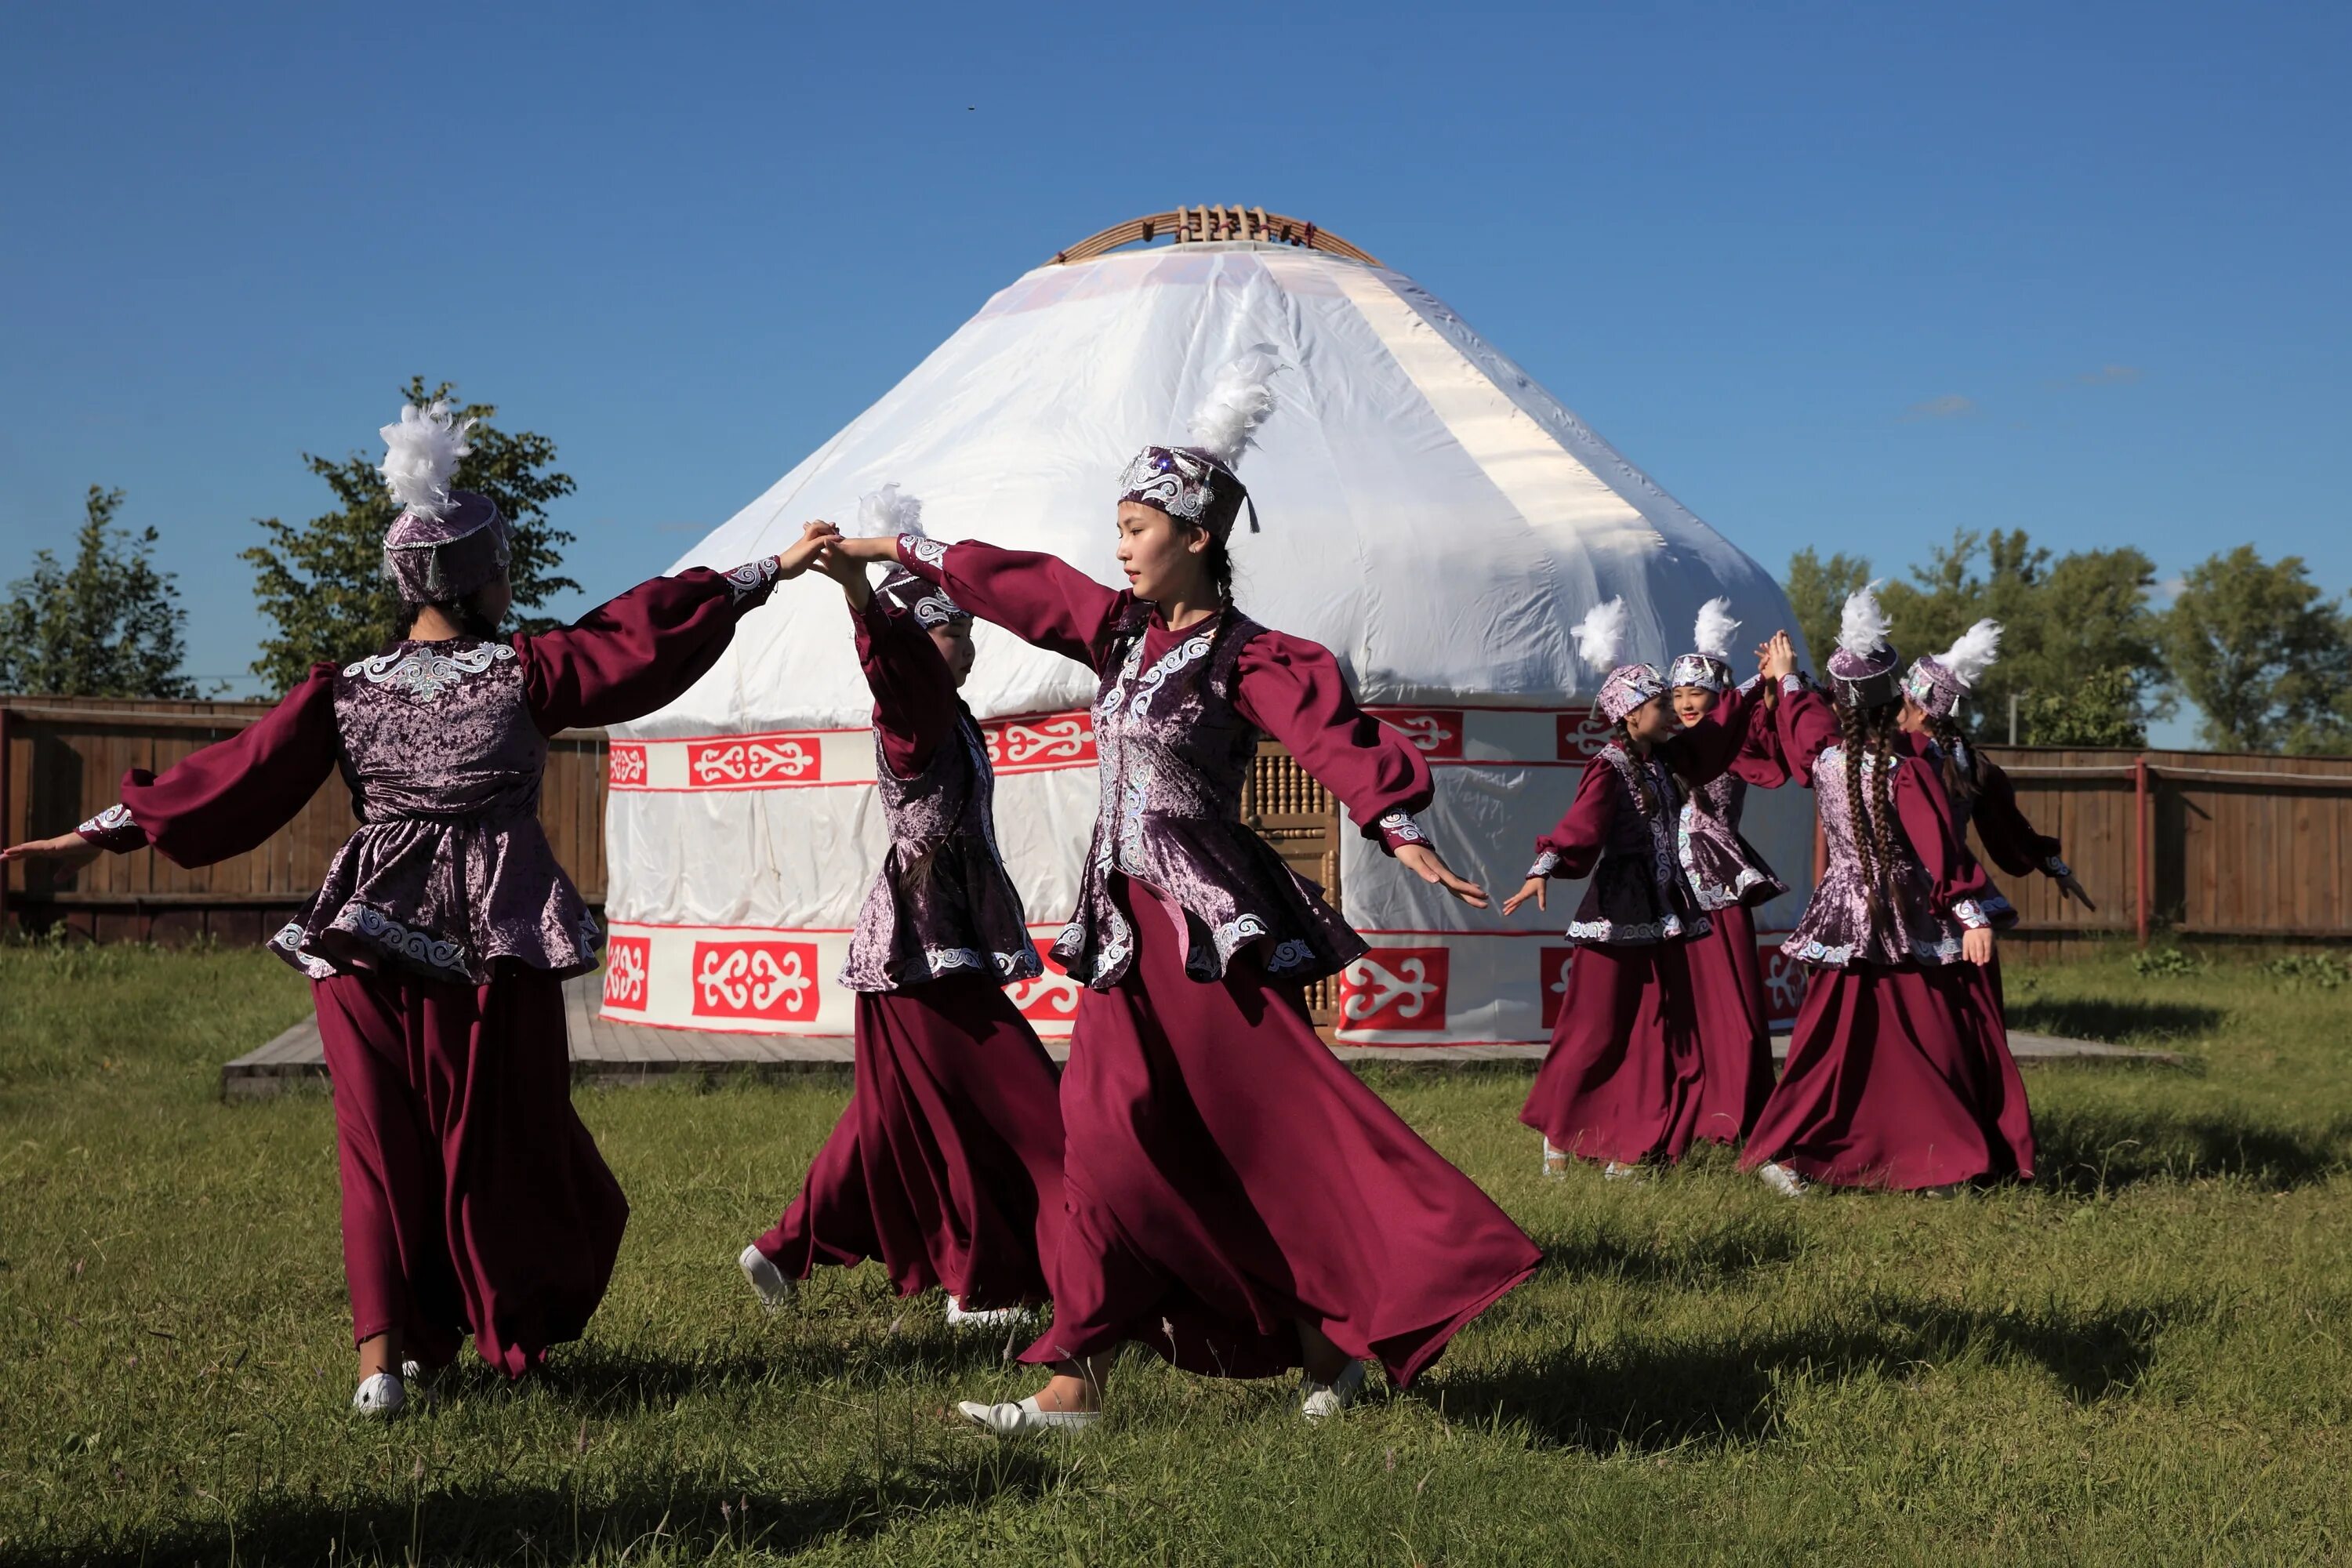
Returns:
<point x="624" y="974"/>
<point x="1784" y="982"/>
<point x="750" y="762"/>
<point x="1426" y="731"/>
<point x="1373" y="988"/>
<point x="1049" y="739"/>
<point x="1051" y="998"/>
<point x="751" y="979"/>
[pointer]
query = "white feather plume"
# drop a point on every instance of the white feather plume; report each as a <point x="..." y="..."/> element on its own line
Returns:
<point x="1862" y="627"/>
<point x="1237" y="403"/>
<point x="1600" y="634"/>
<point x="1713" y="635"/>
<point x="887" y="512"/>
<point x="421" y="454"/>
<point x="1974" y="653"/>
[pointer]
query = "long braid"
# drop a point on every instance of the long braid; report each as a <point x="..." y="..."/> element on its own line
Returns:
<point x="1959" y="782"/>
<point x="1852" y="731"/>
<point x="1623" y="739"/>
<point x="1879" y="727"/>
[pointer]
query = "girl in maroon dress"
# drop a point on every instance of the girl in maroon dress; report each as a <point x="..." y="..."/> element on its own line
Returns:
<point x="474" y="1201"/>
<point x="1899" y="1073"/>
<point x="1626" y="1079"/>
<point x="1933" y="690"/>
<point x="1238" y="1200"/>
<point x="947" y="1162"/>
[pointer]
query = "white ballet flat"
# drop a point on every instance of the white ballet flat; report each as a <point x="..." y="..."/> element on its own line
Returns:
<point x="962" y="1317"/>
<point x="1555" y="1161"/>
<point x="1022" y="1418"/>
<point x="1618" y="1171"/>
<point x="773" y="1287"/>
<point x="1782" y="1180"/>
<point x="379" y="1397"/>
<point x="1322" y="1401"/>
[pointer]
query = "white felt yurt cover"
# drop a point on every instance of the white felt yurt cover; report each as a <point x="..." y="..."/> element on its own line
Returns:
<point x="1429" y="514"/>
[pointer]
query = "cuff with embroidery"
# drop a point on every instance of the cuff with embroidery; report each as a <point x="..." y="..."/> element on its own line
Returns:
<point x="1398" y="829"/>
<point x="1791" y="683"/>
<point x="114" y="829"/>
<point x="1545" y="864"/>
<point x="2057" y="867"/>
<point x="926" y="558"/>
<point x="753" y="578"/>
<point x="1747" y="686"/>
<point x="1971" y="914"/>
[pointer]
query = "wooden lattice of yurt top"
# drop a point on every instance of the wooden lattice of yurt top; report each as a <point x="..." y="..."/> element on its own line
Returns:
<point x="1196" y="226"/>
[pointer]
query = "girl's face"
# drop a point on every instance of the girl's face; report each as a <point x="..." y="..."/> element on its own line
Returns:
<point x="955" y="642"/>
<point x="1693" y="704"/>
<point x="1651" y="722"/>
<point x="1915" y="719"/>
<point x="1162" y="557"/>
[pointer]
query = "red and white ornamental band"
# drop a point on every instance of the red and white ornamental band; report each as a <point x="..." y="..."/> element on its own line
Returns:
<point x="1204" y="1178"/>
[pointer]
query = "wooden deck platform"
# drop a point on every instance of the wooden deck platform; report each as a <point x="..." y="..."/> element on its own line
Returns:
<point x="608" y="1053"/>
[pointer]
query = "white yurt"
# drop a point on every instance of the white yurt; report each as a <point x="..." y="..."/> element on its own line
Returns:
<point x="1426" y="511"/>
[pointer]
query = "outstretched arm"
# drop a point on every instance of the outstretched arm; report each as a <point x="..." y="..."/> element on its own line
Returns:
<point x="1039" y="598"/>
<point x="2009" y="838"/>
<point x="221" y="801"/>
<point x="914" y="706"/>
<point x="1958" y="881"/>
<point x="1573" y="846"/>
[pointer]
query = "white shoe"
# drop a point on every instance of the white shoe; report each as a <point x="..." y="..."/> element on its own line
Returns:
<point x="1022" y="1418"/>
<point x="962" y="1317"/>
<point x="1322" y="1401"/>
<point x="1618" y="1171"/>
<point x="1556" y="1161"/>
<point x="1782" y="1179"/>
<point x="379" y="1397"/>
<point x="769" y="1281"/>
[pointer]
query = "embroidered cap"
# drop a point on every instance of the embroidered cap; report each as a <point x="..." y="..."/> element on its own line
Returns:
<point x="1708" y="668"/>
<point x="1938" y="684"/>
<point x="891" y="511"/>
<point x="1627" y="686"/>
<point x="1196" y="483"/>
<point x="446" y="542"/>
<point x="1863" y="664"/>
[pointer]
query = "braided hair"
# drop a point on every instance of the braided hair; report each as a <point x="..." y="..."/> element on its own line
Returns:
<point x="1218" y="561"/>
<point x="1959" y="782"/>
<point x="1643" y="796"/>
<point x="1870" y="732"/>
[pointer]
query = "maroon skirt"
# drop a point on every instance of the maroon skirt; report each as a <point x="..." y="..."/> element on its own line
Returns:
<point x="1625" y="1076"/>
<point x="946" y="1165"/>
<point x="1735" y="1026"/>
<point x="474" y="1201"/>
<point x="1898" y="1078"/>
<point x="1229" y="1177"/>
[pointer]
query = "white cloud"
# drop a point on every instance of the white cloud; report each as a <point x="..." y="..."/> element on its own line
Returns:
<point x="1951" y="405"/>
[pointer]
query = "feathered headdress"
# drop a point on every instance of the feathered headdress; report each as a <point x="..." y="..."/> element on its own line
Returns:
<point x="1709" y="666"/>
<point x="1599" y="637"/>
<point x="1863" y="664"/>
<point x="1198" y="484"/>
<point x="446" y="542"/>
<point x="891" y="513"/>
<point x="1938" y="683"/>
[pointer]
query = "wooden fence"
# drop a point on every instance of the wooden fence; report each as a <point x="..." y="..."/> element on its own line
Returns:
<point x="2201" y="843"/>
<point x="62" y="759"/>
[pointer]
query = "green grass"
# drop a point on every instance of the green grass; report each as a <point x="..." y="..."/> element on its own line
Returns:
<point x="2142" y="1359"/>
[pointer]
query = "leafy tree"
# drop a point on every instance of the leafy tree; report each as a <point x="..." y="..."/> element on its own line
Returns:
<point x="322" y="582"/>
<point x="109" y="624"/>
<point x="2076" y="629"/>
<point x="2261" y="652"/>
<point x="1817" y="590"/>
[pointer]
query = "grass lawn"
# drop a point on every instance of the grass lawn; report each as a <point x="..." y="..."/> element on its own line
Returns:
<point x="2140" y="1359"/>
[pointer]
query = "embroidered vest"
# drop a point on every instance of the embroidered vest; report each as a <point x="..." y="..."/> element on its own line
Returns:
<point x="1638" y="893"/>
<point x="1723" y="867"/>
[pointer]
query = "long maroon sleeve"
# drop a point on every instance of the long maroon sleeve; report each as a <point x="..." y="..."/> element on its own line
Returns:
<point x="1701" y="754"/>
<point x="229" y="797"/>
<point x="1760" y="762"/>
<point x="1573" y="847"/>
<point x="1924" y="809"/>
<point x="1808" y="727"/>
<point x="2008" y="839"/>
<point x="631" y="655"/>
<point x="1039" y="598"/>
<point x="915" y="705"/>
<point x="1294" y="690"/>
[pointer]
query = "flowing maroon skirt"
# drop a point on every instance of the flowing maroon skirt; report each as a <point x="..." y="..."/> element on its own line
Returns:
<point x="473" y="1198"/>
<point x="1623" y="1077"/>
<point x="1898" y="1078"/>
<point x="1735" y="1026"/>
<point x="946" y="1165"/>
<point x="1228" y="1176"/>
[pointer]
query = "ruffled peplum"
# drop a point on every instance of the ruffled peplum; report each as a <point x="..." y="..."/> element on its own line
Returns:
<point x="446" y="898"/>
<point x="1840" y="928"/>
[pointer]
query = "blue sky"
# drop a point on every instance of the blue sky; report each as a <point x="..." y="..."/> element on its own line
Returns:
<point x="1845" y="276"/>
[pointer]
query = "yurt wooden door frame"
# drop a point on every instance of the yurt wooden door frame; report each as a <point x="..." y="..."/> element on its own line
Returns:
<point x="1287" y="808"/>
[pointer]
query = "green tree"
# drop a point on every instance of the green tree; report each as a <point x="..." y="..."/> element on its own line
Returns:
<point x="2261" y="652"/>
<point x="2077" y="629"/>
<point x="322" y="582"/>
<point x="108" y="624"/>
<point x="1817" y="590"/>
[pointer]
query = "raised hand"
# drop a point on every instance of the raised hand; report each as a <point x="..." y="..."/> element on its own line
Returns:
<point x="1778" y="659"/>
<point x="71" y="849"/>
<point x="872" y="547"/>
<point x="1533" y="888"/>
<point x="815" y="537"/>
<point x="1425" y="863"/>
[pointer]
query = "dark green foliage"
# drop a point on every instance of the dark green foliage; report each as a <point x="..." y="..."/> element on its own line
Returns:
<point x="2262" y="653"/>
<point x="106" y="623"/>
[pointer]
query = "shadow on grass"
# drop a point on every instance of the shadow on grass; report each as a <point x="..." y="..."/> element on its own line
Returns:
<point x="1731" y="1393"/>
<point x="2112" y="1020"/>
<point x="1739" y="1243"/>
<point x="500" y="1523"/>
<point x="2094" y="1148"/>
<point x="603" y="1378"/>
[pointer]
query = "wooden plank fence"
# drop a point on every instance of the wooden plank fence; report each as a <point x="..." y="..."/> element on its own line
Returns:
<point x="2201" y="843"/>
